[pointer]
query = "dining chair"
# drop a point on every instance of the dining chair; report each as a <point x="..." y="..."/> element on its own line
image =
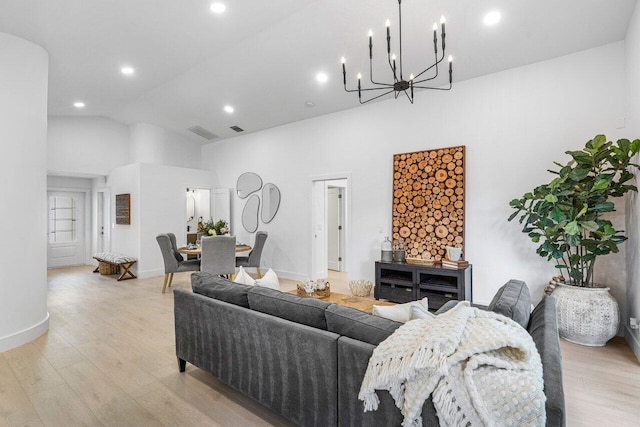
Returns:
<point x="173" y="261"/>
<point x="253" y="259"/>
<point x="218" y="255"/>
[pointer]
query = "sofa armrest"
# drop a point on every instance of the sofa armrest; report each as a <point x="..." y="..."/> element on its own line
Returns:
<point x="353" y="358"/>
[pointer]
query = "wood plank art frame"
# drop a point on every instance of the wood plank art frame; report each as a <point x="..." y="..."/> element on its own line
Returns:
<point x="428" y="201"/>
<point x="123" y="209"/>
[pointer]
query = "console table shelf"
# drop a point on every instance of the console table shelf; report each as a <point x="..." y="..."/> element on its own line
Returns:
<point x="399" y="282"/>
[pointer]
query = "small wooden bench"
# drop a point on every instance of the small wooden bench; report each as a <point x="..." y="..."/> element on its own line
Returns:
<point x="111" y="263"/>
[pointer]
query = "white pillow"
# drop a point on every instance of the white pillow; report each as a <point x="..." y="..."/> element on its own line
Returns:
<point x="399" y="312"/>
<point x="420" y="312"/>
<point x="269" y="280"/>
<point x="243" y="277"/>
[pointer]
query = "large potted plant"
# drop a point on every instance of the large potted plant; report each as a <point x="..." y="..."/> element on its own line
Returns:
<point x="568" y="219"/>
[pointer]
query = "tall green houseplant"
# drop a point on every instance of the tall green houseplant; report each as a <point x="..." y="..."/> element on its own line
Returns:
<point x="567" y="216"/>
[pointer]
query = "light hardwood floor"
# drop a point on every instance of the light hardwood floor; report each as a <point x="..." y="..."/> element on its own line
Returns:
<point x="109" y="359"/>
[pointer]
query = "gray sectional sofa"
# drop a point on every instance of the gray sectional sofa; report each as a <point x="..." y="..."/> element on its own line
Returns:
<point x="305" y="358"/>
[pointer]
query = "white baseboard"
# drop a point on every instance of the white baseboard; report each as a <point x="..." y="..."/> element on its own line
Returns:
<point x="633" y="342"/>
<point x="24" y="336"/>
<point x="287" y="274"/>
<point x="150" y="273"/>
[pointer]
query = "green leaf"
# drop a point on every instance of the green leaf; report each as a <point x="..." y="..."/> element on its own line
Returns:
<point x="609" y="230"/>
<point x="513" y="215"/>
<point x="583" y="211"/>
<point x="580" y="173"/>
<point x="551" y="198"/>
<point x="600" y="184"/>
<point x="599" y="141"/>
<point x="604" y="207"/>
<point x="572" y="228"/>
<point x="589" y="225"/>
<point x="528" y="196"/>
<point x="557" y="215"/>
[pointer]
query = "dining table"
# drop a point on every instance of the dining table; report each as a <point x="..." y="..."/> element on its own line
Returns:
<point x="198" y="249"/>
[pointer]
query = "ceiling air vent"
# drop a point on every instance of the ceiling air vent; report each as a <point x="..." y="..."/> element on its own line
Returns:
<point x="200" y="131"/>
<point x="237" y="128"/>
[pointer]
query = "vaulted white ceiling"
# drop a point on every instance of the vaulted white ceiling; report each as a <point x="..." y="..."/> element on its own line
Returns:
<point x="262" y="56"/>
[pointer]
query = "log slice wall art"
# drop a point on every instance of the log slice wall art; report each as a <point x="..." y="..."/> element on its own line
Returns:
<point x="428" y="201"/>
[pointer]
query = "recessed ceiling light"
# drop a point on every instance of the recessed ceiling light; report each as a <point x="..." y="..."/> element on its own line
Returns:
<point x="492" y="18"/>
<point x="322" y="77"/>
<point x="218" y="7"/>
<point x="127" y="71"/>
<point x="310" y="104"/>
<point x="78" y="104"/>
<point x="228" y="109"/>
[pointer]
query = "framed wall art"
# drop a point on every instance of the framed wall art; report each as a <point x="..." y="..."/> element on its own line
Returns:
<point x="428" y="201"/>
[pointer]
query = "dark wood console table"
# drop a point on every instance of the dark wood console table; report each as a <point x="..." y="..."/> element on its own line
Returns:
<point x="400" y="282"/>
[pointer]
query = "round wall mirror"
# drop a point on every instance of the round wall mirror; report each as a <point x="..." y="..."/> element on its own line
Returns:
<point x="248" y="183"/>
<point x="270" y="202"/>
<point x="250" y="214"/>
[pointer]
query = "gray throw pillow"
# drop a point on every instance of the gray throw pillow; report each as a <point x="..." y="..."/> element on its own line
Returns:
<point x="513" y="301"/>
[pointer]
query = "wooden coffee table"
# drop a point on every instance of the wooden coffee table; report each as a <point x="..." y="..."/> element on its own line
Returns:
<point x="359" y="303"/>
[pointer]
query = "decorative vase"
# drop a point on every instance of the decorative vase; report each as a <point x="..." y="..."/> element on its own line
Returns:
<point x="586" y="316"/>
<point x="386" y="251"/>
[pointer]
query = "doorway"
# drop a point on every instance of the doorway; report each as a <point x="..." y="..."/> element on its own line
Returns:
<point x="66" y="228"/>
<point x="330" y="228"/>
<point x="335" y="226"/>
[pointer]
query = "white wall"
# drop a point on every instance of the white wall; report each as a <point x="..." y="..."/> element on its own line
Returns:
<point x="155" y="145"/>
<point x="96" y="145"/>
<point x="86" y="145"/>
<point x="23" y="209"/>
<point x="157" y="206"/>
<point x="514" y="124"/>
<point x="632" y="45"/>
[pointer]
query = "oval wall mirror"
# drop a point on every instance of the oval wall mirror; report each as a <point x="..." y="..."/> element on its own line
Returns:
<point x="248" y="183"/>
<point x="270" y="202"/>
<point x="250" y="214"/>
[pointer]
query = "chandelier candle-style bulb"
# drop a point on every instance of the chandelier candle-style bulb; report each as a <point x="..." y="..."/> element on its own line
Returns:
<point x="398" y="84"/>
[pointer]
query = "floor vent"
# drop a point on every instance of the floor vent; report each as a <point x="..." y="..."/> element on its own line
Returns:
<point x="237" y="128"/>
<point x="200" y="131"/>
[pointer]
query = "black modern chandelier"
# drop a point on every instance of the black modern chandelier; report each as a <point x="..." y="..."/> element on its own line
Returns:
<point x="400" y="83"/>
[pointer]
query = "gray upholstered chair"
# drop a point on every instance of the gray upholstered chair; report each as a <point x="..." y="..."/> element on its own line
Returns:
<point x="218" y="255"/>
<point x="253" y="259"/>
<point x="173" y="261"/>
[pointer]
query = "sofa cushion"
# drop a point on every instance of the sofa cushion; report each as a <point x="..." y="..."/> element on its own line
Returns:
<point x="220" y="288"/>
<point x="307" y="311"/>
<point x="513" y="301"/>
<point x="359" y="325"/>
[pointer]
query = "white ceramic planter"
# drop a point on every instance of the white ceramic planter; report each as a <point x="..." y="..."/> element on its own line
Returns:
<point x="587" y="316"/>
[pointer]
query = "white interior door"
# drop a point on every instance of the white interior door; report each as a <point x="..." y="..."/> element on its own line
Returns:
<point x="334" y="228"/>
<point x="66" y="229"/>
<point x="319" y="236"/>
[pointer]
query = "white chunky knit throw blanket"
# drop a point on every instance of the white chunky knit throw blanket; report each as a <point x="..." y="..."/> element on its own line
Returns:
<point x="481" y="368"/>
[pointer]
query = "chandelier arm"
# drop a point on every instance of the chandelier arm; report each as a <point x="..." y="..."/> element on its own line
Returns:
<point x="408" y="97"/>
<point x="374" y="88"/>
<point x="371" y="75"/>
<point x="376" y="97"/>
<point x="438" y="61"/>
<point x="434" y="88"/>
<point x="393" y="70"/>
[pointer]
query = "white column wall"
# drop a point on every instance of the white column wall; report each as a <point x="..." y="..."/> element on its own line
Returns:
<point x="632" y="45"/>
<point x="514" y="123"/>
<point x="23" y="208"/>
